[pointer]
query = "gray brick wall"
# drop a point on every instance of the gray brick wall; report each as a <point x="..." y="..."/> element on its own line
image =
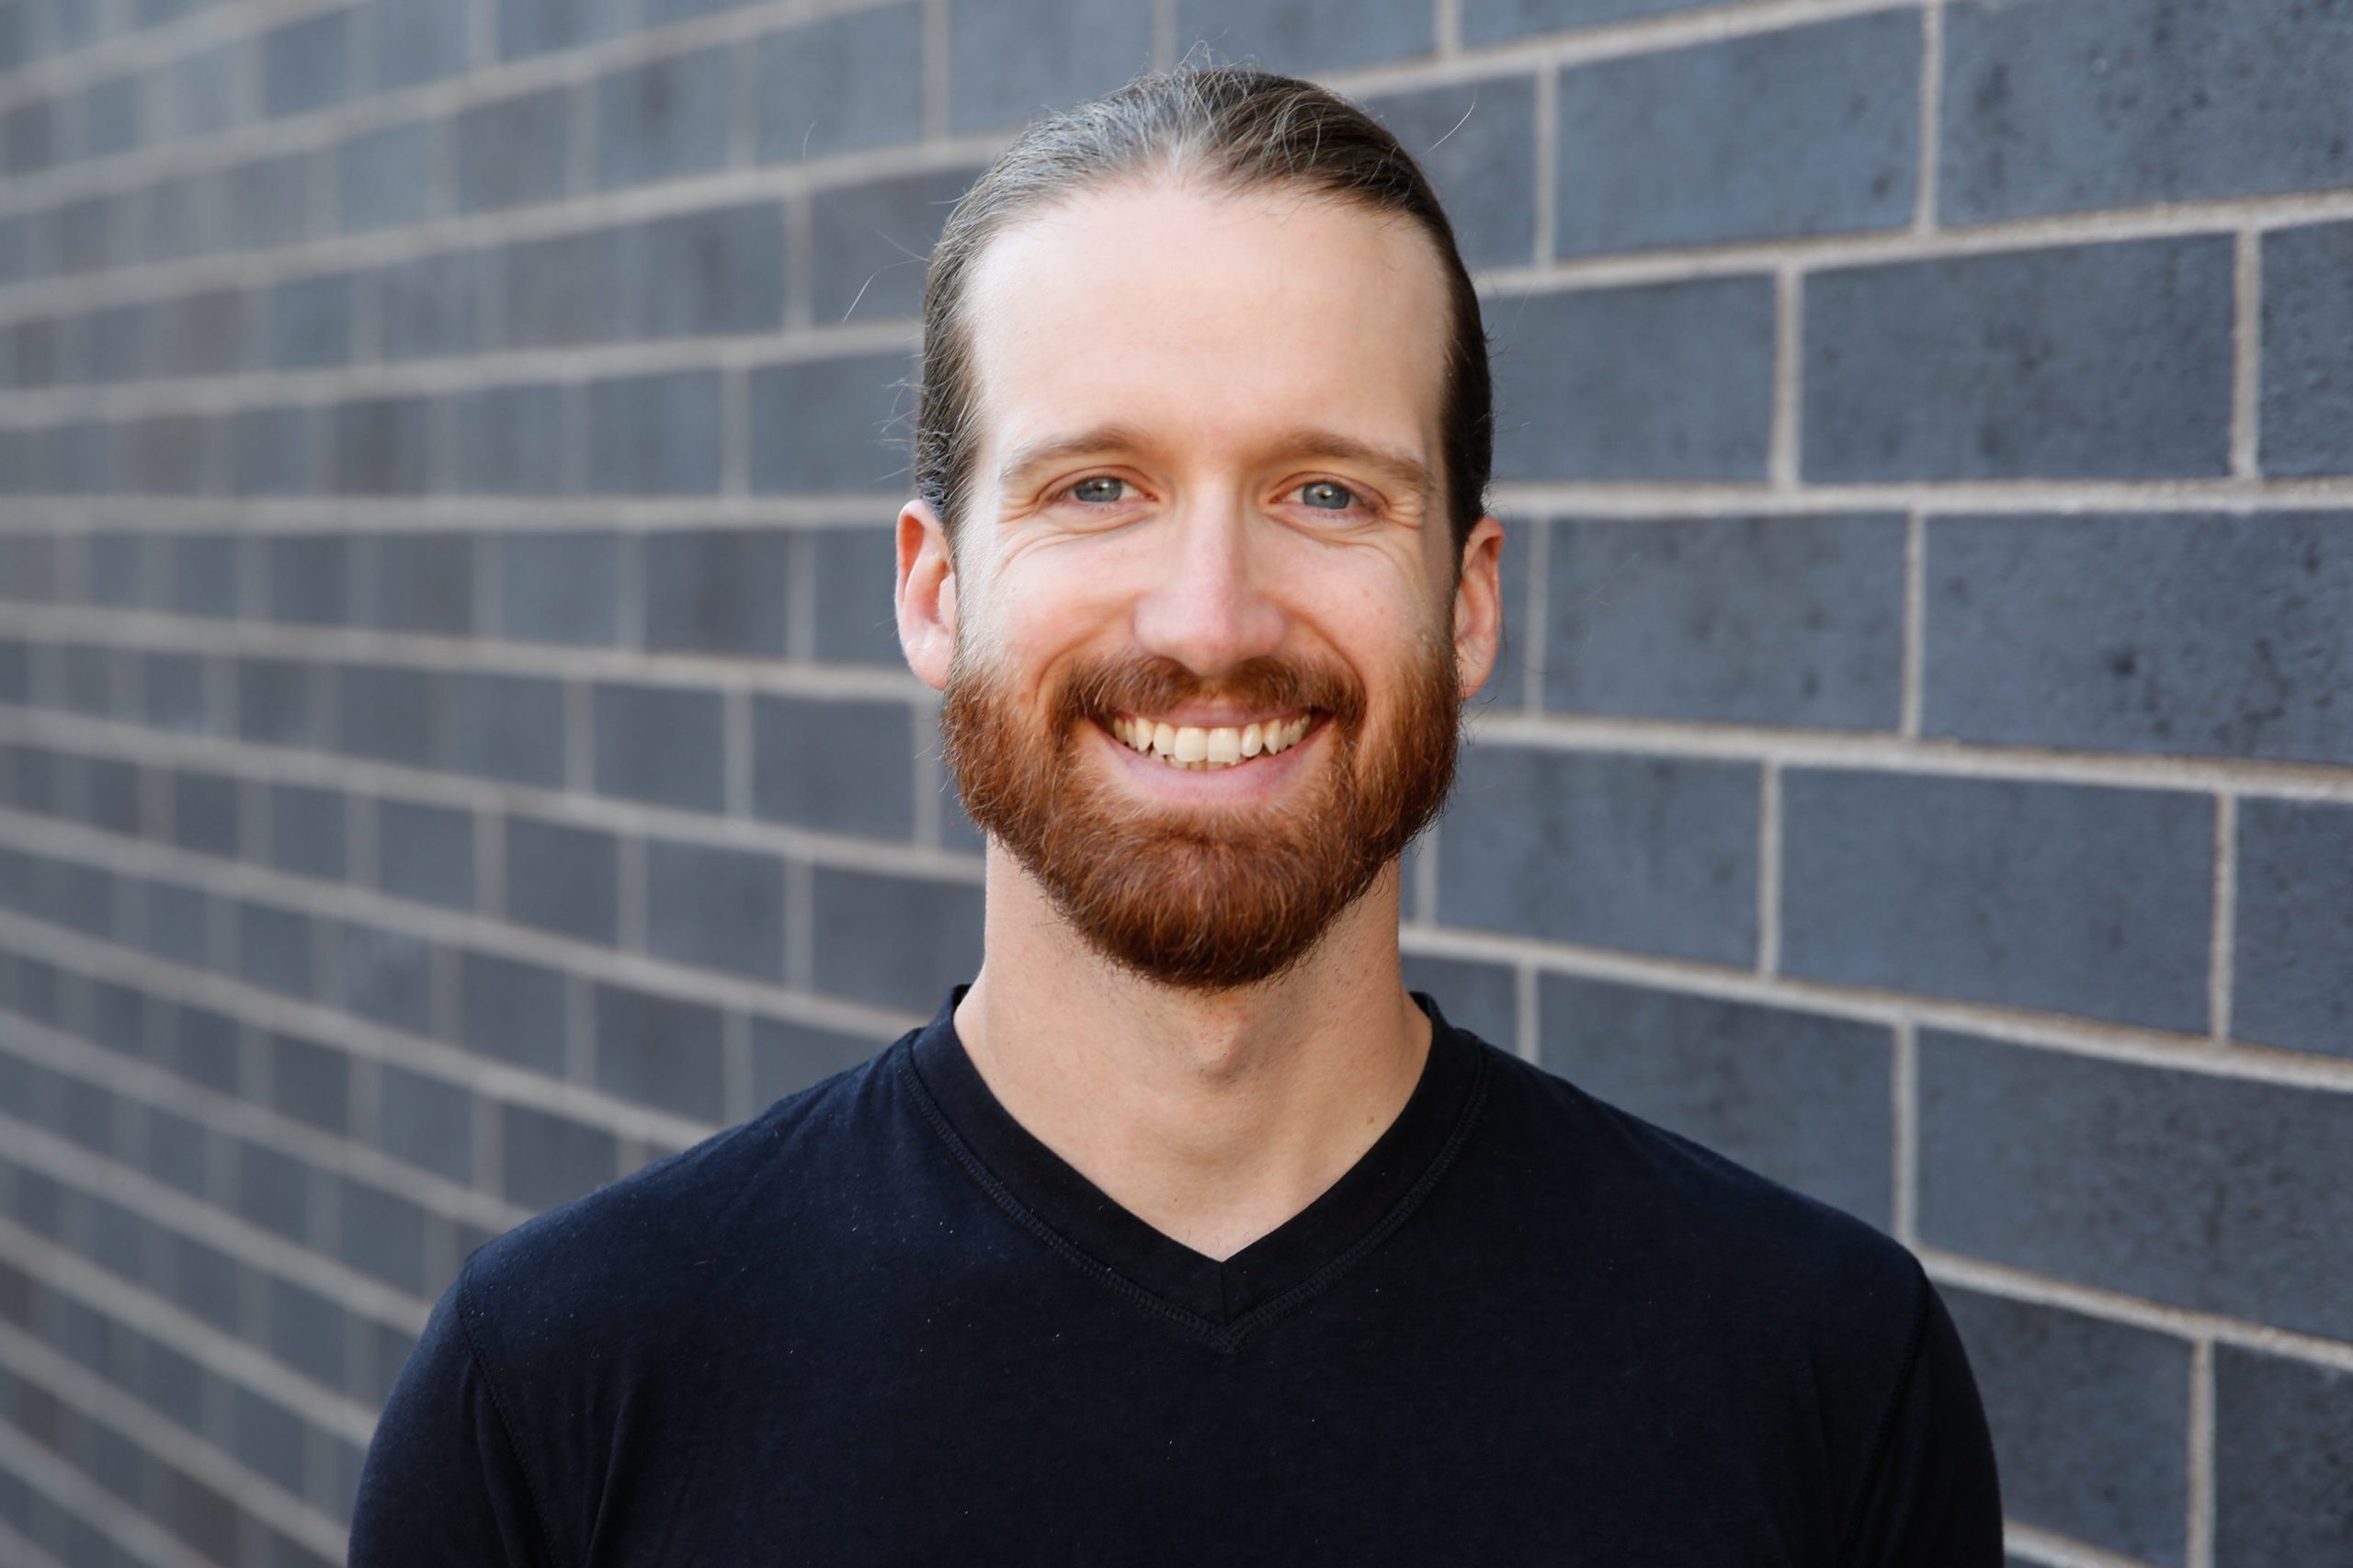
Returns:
<point x="453" y="748"/>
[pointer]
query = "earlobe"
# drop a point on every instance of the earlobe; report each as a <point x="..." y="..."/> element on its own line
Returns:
<point x="926" y="593"/>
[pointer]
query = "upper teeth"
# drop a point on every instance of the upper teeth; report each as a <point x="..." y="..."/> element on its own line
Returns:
<point x="1191" y="745"/>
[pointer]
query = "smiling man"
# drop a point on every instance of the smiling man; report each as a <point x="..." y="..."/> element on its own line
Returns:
<point x="1184" y="1233"/>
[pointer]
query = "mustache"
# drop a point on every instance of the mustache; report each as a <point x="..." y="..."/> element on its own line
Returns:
<point x="1151" y="683"/>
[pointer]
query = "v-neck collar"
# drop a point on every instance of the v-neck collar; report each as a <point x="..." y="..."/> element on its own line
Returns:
<point x="1222" y="1301"/>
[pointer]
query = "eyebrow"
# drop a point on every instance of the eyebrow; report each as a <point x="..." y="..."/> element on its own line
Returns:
<point x="1399" y="468"/>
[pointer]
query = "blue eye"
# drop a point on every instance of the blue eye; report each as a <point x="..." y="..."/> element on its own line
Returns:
<point x="1101" y="487"/>
<point x="1324" y="495"/>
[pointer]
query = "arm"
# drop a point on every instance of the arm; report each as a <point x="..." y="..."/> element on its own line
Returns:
<point x="444" y="1484"/>
<point x="1930" y="1498"/>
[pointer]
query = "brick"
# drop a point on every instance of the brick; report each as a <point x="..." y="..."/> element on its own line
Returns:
<point x="273" y="451"/>
<point x="843" y="767"/>
<point x="1669" y="380"/>
<point x="559" y="587"/>
<point x="1807" y="131"/>
<point x="1802" y="1100"/>
<point x="310" y="578"/>
<point x="421" y="582"/>
<point x="172" y="1383"/>
<point x="566" y="290"/>
<point x="716" y="590"/>
<point x="425" y="852"/>
<point x="111" y="791"/>
<point x="204" y="85"/>
<point x="2292" y="960"/>
<point x="1651" y="854"/>
<point x="538" y="27"/>
<point x="203" y="333"/>
<point x="115" y="568"/>
<point x="2103" y="631"/>
<point x="1485" y="21"/>
<point x="32" y="565"/>
<point x="840" y="82"/>
<point x="176" y="1152"/>
<point x="171" y="221"/>
<point x="1480" y="997"/>
<point x="28" y="137"/>
<point x="276" y="949"/>
<point x="562" y="878"/>
<point x="178" y="924"/>
<point x="277" y="703"/>
<point x="508" y="727"/>
<point x="2307" y="409"/>
<point x="1009" y="61"/>
<point x="389" y="714"/>
<point x="425" y="1121"/>
<point x="2114" y="103"/>
<point x="717" y="908"/>
<point x="267" y="1438"/>
<point x="655" y="434"/>
<point x="384" y="176"/>
<point x="88" y="683"/>
<point x="306" y="64"/>
<point x="173" y="685"/>
<point x="830" y="427"/>
<point x="1300" y="38"/>
<point x="2283" y="1459"/>
<point x="869" y="244"/>
<point x="2180" y="1188"/>
<point x="202" y="1517"/>
<point x="204" y="812"/>
<point x="1754" y="620"/>
<point x="410" y="41"/>
<point x="432" y="306"/>
<point x="86" y="1116"/>
<point x="170" y="454"/>
<point x="307" y="830"/>
<point x="117" y="343"/>
<point x="719" y="271"/>
<point x="383" y="1235"/>
<point x="2073" y="898"/>
<point x="203" y="574"/>
<point x="508" y="440"/>
<point x="2090" y="1422"/>
<point x="308" y="1332"/>
<point x="273" y="1189"/>
<point x="110" y="116"/>
<point x="119" y="1018"/>
<point x="310" y="1083"/>
<point x="2093" y="361"/>
<point x="552" y="1159"/>
<point x="936" y="942"/>
<point x="1476" y="143"/>
<point x="268" y="201"/>
<point x="659" y="1051"/>
<point x="789" y="1057"/>
<point x="386" y="975"/>
<point x="382" y="446"/>
<point x="513" y="1011"/>
<point x="514" y="151"/>
<point x="662" y="118"/>
<point x="659" y="745"/>
<point x="205" y="1282"/>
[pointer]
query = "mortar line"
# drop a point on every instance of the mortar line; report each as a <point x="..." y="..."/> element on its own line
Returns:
<point x="2201" y="1552"/>
<point x="1905" y="1089"/>
<point x="1912" y="678"/>
<point x="1784" y="438"/>
<point x="1931" y="131"/>
<point x="1535" y="638"/>
<point x="136" y="1530"/>
<point x="16" y="1547"/>
<point x="1164" y="34"/>
<point x="2247" y="359"/>
<point x="2224" y="939"/>
<point x="1768" y="869"/>
<point x="2051" y="1549"/>
<point x="1528" y="1040"/>
<point x="934" y="32"/>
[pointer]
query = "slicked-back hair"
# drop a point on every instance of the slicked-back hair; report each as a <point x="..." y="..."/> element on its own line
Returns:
<point x="1235" y="129"/>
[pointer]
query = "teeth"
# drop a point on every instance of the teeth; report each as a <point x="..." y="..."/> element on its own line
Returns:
<point x="1198" y="749"/>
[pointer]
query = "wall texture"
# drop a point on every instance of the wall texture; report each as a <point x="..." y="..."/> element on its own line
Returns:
<point x="452" y="745"/>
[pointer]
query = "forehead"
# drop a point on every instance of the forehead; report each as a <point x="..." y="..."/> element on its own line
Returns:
<point x="1207" y="317"/>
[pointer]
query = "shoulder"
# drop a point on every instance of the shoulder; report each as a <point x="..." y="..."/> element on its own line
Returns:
<point x="638" y="1254"/>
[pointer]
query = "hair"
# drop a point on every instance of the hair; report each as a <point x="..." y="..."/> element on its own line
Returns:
<point x="1239" y="128"/>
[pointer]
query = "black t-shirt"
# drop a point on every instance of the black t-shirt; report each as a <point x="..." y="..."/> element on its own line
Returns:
<point x="881" y="1323"/>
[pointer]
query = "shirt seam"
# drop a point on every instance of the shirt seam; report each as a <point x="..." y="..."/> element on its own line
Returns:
<point x="1226" y="1338"/>
<point x="1883" y="1434"/>
<point x="506" y="1425"/>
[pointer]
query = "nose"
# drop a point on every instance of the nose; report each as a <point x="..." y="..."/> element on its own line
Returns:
<point x="1207" y="606"/>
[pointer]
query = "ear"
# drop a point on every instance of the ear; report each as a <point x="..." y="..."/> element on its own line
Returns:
<point x="926" y="593"/>
<point x="1479" y="605"/>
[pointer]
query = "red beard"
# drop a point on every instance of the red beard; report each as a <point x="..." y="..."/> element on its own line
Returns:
<point x="1216" y="898"/>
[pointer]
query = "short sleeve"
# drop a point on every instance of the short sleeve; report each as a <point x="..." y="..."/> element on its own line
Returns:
<point x="443" y="1485"/>
<point x="1931" y="1498"/>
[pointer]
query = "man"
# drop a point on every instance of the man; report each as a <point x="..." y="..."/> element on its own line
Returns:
<point x="1184" y="1233"/>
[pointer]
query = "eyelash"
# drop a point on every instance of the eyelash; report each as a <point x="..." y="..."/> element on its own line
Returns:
<point x="1069" y="492"/>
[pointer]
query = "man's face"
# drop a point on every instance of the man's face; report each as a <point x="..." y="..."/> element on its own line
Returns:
<point x="1204" y="645"/>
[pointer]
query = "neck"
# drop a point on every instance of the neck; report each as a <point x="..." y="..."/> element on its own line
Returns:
<point x="1211" y="1115"/>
